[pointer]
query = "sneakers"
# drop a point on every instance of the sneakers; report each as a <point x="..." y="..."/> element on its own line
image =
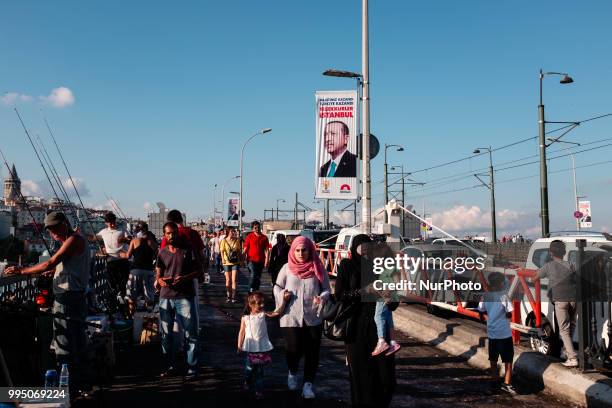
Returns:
<point x="168" y="373"/>
<point x="381" y="347"/>
<point x="228" y="299"/>
<point x="570" y="362"/>
<point x="393" y="348"/>
<point x="307" y="392"/>
<point x="191" y="374"/>
<point x="292" y="382"/>
<point x="508" y="388"/>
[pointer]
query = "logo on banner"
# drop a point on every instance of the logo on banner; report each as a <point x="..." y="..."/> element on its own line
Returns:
<point x="326" y="184"/>
<point x="345" y="188"/>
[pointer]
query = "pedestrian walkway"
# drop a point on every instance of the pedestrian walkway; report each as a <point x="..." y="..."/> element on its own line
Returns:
<point x="427" y="377"/>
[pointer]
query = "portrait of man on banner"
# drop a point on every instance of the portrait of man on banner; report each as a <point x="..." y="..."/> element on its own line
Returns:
<point x="336" y="163"/>
<point x="342" y="163"/>
<point x="232" y="209"/>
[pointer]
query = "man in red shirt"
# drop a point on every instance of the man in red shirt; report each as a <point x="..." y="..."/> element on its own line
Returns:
<point x="189" y="235"/>
<point x="256" y="254"/>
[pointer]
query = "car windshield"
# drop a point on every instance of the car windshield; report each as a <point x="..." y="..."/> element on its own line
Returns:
<point x="324" y="236"/>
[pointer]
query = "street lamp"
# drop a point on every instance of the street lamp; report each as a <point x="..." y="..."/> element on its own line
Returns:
<point x="491" y="187"/>
<point x="215" y="204"/>
<point x="566" y="79"/>
<point x="399" y="149"/>
<point x="410" y="181"/>
<point x="277" y="201"/>
<point x="241" y="199"/>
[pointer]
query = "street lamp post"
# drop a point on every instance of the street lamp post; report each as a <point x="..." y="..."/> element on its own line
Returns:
<point x="215" y="204"/>
<point x="241" y="198"/>
<point x="277" y="201"/>
<point x="491" y="187"/>
<point x="399" y="149"/>
<point x="404" y="180"/>
<point x="364" y="82"/>
<point x="543" y="166"/>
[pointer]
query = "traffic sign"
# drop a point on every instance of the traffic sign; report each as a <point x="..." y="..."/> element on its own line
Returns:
<point x="374" y="146"/>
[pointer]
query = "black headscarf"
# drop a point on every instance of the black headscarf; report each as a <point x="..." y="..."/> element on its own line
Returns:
<point x="355" y="257"/>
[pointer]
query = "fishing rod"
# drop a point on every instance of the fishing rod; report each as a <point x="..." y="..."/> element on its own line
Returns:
<point x="38" y="156"/>
<point x="56" y="177"/>
<point x="119" y="208"/>
<point x="112" y="205"/>
<point x="93" y="231"/>
<point x="116" y="207"/>
<point x="25" y="203"/>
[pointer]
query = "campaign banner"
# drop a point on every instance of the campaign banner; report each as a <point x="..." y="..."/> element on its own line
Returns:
<point x="336" y="155"/>
<point x="232" y="211"/>
<point x="585" y="208"/>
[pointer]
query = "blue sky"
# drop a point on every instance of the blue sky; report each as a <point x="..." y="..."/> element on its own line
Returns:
<point x="164" y="96"/>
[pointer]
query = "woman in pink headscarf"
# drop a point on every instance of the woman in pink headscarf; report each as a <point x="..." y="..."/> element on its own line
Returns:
<point x="306" y="278"/>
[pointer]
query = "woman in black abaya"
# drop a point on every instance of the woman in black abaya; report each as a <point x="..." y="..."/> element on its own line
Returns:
<point x="372" y="378"/>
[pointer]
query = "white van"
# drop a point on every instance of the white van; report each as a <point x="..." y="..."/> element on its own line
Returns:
<point x="344" y="242"/>
<point x="537" y="257"/>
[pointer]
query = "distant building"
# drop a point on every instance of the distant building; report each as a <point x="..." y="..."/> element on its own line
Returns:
<point x="24" y="217"/>
<point x="156" y="220"/>
<point x="12" y="188"/>
<point x="6" y="222"/>
<point x="412" y="226"/>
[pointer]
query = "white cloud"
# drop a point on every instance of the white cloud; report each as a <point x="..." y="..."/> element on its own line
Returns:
<point x="315" y="216"/>
<point x="59" y="97"/>
<point x="463" y="219"/>
<point x="41" y="188"/>
<point x="11" y="98"/>
<point x="80" y="185"/>
<point x="342" y="217"/>
<point x="31" y="188"/>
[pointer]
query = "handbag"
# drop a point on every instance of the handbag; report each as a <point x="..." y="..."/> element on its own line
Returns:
<point x="337" y="318"/>
<point x="232" y="255"/>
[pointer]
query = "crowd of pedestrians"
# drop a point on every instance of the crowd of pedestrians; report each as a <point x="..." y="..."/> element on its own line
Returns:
<point x="301" y="288"/>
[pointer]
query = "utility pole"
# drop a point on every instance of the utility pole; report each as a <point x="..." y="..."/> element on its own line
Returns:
<point x="295" y="214"/>
<point x="327" y="213"/>
<point x="366" y="215"/>
<point x="575" y="191"/>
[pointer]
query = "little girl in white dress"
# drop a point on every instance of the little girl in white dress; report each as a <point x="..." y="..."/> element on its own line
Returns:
<point x="253" y="339"/>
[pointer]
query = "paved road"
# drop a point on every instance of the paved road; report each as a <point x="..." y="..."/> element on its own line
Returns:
<point x="427" y="377"/>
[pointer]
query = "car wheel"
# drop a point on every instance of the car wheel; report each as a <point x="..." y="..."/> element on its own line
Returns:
<point x="547" y="342"/>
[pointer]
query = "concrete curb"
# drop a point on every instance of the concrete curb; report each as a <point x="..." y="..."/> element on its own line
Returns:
<point x="590" y="389"/>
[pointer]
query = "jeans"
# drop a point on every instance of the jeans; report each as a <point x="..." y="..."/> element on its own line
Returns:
<point x="218" y="264"/>
<point x="255" y="269"/>
<point x="140" y="282"/>
<point x="384" y="320"/>
<point x="69" y="338"/>
<point x="184" y="311"/>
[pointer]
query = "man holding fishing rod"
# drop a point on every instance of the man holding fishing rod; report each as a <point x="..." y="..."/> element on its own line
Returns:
<point x="70" y="267"/>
